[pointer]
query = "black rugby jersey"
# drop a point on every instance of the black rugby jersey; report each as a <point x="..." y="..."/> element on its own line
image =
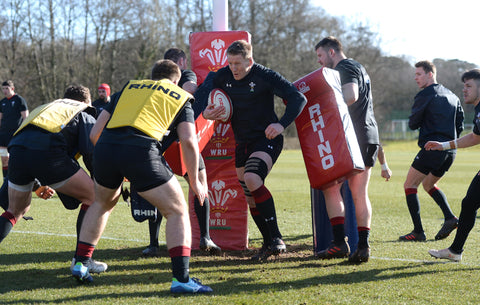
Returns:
<point x="253" y="100"/>
<point x="11" y="109"/>
<point x="361" y="111"/>
<point x="438" y="113"/>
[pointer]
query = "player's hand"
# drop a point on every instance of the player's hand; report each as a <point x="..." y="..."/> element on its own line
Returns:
<point x="213" y="113"/>
<point x="45" y="192"/>
<point x="433" y="145"/>
<point x="386" y="173"/>
<point x="200" y="190"/>
<point x="273" y="130"/>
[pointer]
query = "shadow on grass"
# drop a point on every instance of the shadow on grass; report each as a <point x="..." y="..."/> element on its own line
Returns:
<point x="134" y="280"/>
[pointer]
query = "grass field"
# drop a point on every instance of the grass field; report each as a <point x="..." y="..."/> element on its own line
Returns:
<point x="35" y="257"/>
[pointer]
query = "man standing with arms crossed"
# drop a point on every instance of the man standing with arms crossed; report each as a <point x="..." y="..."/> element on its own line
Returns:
<point x="438" y="114"/>
<point x="471" y="202"/>
<point x="357" y="93"/>
<point x="257" y="131"/>
<point x="13" y="110"/>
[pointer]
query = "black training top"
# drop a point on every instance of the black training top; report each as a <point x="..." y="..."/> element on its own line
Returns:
<point x="476" y="120"/>
<point x="11" y="109"/>
<point x="438" y="113"/>
<point x="187" y="75"/>
<point x="253" y="100"/>
<point x="99" y="105"/>
<point x="361" y="111"/>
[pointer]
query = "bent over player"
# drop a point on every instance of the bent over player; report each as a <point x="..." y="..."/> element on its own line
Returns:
<point x="130" y="132"/>
<point x="438" y="114"/>
<point x="471" y="201"/>
<point x="257" y="131"/>
<point x="49" y="139"/>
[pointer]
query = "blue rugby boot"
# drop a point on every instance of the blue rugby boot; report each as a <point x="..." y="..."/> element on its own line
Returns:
<point x="192" y="286"/>
<point x="80" y="272"/>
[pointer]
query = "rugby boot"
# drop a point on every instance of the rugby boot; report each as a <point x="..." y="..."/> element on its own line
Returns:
<point x="447" y="228"/>
<point x="192" y="286"/>
<point x="340" y="250"/>
<point x="413" y="236"/>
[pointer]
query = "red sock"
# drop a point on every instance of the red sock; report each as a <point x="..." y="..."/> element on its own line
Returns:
<point x="179" y="251"/>
<point x="337" y="221"/>
<point x="84" y="249"/>
<point x="10" y="217"/>
<point x="410" y="191"/>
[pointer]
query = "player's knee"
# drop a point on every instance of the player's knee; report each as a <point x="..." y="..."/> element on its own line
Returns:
<point x="255" y="167"/>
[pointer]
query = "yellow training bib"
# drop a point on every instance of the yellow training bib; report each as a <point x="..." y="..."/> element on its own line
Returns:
<point x="53" y="116"/>
<point x="149" y="106"/>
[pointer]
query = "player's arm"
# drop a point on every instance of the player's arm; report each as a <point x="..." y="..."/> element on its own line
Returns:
<point x="190" y="153"/>
<point x="85" y="145"/>
<point x="24" y="114"/>
<point x="1" y="116"/>
<point x="190" y="87"/>
<point x="468" y="140"/>
<point x="99" y="126"/>
<point x="386" y="172"/>
<point x="295" y="102"/>
<point x="350" y="93"/>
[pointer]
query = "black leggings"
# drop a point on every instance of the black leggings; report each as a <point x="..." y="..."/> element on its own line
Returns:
<point x="470" y="205"/>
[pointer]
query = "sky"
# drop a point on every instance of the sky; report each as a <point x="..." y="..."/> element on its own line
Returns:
<point x="421" y="29"/>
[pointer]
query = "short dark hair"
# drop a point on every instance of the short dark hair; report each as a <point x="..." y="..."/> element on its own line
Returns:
<point x="330" y="42"/>
<point x="165" y="68"/>
<point x="8" y="83"/>
<point x="174" y="54"/>
<point x="240" y="47"/>
<point x="471" y="74"/>
<point x="427" y="66"/>
<point x="78" y="93"/>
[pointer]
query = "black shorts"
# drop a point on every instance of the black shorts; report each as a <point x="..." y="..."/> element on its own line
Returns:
<point x="369" y="154"/>
<point x="144" y="167"/>
<point x="244" y="150"/>
<point x="49" y="167"/>
<point x="436" y="162"/>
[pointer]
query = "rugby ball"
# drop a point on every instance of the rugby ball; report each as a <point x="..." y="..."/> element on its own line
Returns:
<point x="218" y="97"/>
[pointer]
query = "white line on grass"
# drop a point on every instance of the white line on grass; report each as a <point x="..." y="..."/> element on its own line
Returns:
<point x="434" y="261"/>
<point x="162" y="242"/>
<point x="72" y="235"/>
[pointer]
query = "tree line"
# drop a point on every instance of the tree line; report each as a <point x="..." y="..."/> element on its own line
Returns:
<point x="48" y="45"/>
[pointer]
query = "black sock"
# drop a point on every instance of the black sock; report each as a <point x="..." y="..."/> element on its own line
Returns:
<point x="442" y="202"/>
<point x="338" y="232"/>
<point x="363" y="234"/>
<point x="203" y="216"/>
<point x="338" y="229"/>
<point x="5" y="225"/>
<point x="81" y="215"/>
<point x="261" y="225"/>
<point x="266" y="206"/>
<point x="154" y="230"/>
<point x="180" y="266"/>
<point x="414" y="209"/>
